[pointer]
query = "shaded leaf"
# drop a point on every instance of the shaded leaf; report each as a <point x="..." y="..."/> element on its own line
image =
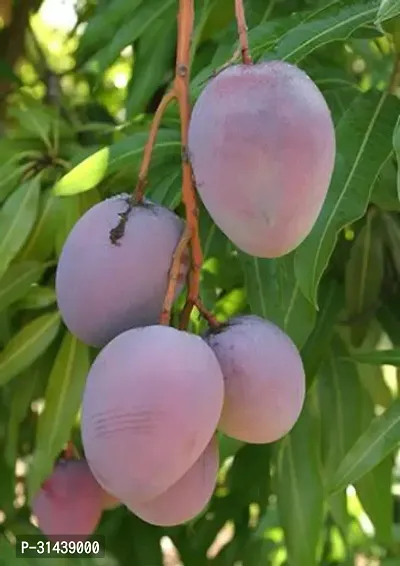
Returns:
<point x="62" y="401"/>
<point x="299" y="490"/>
<point x="27" y="345"/>
<point x="40" y="244"/>
<point x="39" y="297"/>
<point x="396" y="146"/>
<point x="17" y="281"/>
<point x="153" y="57"/>
<point x="380" y="438"/>
<point x="363" y="146"/>
<point x="23" y="389"/>
<point x="317" y="345"/>
<point x="378" y="357"/>
<point x="141" y="20"/>
<point x="274" y="294"/>
<point x="17" y="218"/>
<point x="101" y="27"/>
<point x="364" y="277"/>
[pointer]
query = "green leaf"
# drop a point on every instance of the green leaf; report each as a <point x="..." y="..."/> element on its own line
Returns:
<point x="23" y="389"/>
<point x="333" y="24"/>
<point x="274" y="294"/>
<point x="372" y="378"/>
<point x="17" y="218"/>
<point x="385" y="193"/>
<point x="317" y="345"/>
<point x="62" y="402"/>
<point x="102" y="26"/>
<point x="378" y="357"/>
<point x="388" y="10"/>
<point x="363" y="146"/>
<point x="17" y="281"/>
<point x="142" y="19"/>
<point x="380" y="438"/>
<point x="364" y="277"/>
<point x="40" y="244"/>
<point x="92" y="170"/>
<point x="396" y="146"/>
<point x="27" y="345"/>
<point x="340" y="395"/>
<point x="153" y="57"/>
<point x="39" y="297"/>
<point x="10" y="175"/>
<point x="299" y="490"/>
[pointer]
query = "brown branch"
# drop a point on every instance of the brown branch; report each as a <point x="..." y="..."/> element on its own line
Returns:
<point x="242" y="30"/>
<point x="209" y="317"/>
<point x="173" y="278"/>
<point x="148" y="150"/>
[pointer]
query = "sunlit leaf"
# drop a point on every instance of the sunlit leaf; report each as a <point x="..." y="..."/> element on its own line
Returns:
<point x="380" y="438"/>
<point x="92" y="170"/>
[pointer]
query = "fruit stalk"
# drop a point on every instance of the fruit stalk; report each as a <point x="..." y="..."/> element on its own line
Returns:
<point x="148" y="150"/>
<point x="242" y="30"/>
<point x="181" y="85"/>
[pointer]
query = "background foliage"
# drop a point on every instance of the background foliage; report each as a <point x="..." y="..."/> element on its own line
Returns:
<point x="78" y="85"/>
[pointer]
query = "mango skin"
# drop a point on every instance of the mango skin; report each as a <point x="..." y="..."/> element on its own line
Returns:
<point x="262" y="147"/>
<point x="152" y="402"/>
<point x="70" y="503"/>
<point x="264" y="379"/>
<point x="104" y="289"/>
<point x="184" y="500"/>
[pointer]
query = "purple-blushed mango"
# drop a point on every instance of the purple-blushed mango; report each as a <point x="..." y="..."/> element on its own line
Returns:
<point x="262" y="147"/>
<point x="104" y="289"/>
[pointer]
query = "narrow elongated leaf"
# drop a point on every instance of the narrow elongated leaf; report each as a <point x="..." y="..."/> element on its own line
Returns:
<point x="363" y="146"/>
<point x="27" y="345"/>
<point x="388" y="9"/>
<point x="335" y="23"/>
<point x="374" y="488"/>
<point x="364" y="278"/>
<point x="378" y="357"/>
<point x="101" y="27"/>
<point x="274" y="294"/>
<point x="346" y="410"/>
<point x="300" y="491"/>
<point x="142" y="20"/>
<point x="92" y="170"/>
<point x="396" y="146"/>
<point x="62" y="402"/>
<point x="317" y="345"/>
<point x="39" y="297"/>
<point x="17" y="218"/>
<point x="23" y="389"/>
<point x="153" y="57"/>
<point x="341" y="403"/>
<point x="40" y="244"/>
<point x="380" y="438"/>
<point x="17" y="281"/>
